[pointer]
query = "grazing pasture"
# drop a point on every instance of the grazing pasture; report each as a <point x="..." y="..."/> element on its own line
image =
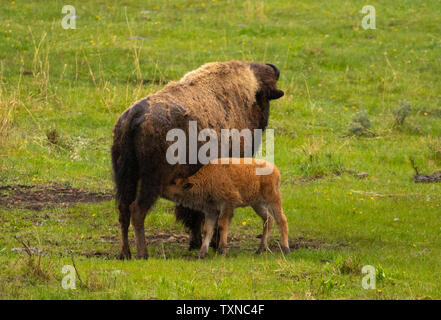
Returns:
<point x="361" y="112"/>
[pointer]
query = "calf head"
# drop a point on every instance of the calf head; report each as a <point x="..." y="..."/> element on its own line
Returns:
<point x="177" y="189"/>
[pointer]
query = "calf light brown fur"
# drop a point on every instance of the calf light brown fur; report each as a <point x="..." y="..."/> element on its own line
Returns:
<point x="219" y="188"/>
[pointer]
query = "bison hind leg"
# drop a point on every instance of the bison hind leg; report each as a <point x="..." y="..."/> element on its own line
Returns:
<point x="124" y="220"/>
<point x="147" y="196"/>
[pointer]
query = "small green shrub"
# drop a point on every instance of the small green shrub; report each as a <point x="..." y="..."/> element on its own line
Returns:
<point x="319" y="165"/>
<point x="349" y="265"/>
<point x="401" y="113"/>
<point x="360" y="124"/>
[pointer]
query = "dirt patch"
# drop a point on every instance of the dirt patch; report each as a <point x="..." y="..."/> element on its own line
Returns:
<point x="234" y="241"/>
<point x="174" y="243"/>
<point x="41" y="197"/>
<point x="305" y="243"/>
<point x="155" y="239"/>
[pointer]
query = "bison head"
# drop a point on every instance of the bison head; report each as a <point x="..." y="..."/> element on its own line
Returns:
<point x="267" y="76"/>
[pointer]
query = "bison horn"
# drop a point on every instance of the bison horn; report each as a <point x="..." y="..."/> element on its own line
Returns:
<point x="276" y="70"/>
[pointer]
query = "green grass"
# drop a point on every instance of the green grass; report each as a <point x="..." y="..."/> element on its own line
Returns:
<point x="330" y="69"/>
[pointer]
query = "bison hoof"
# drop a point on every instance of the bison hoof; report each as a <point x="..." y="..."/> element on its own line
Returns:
<point x="125" y="254"/>
<point x="194" y="245"/>
<point x="202" y="255"/>
<point x="261" y="249"/>
<point x="142" y="255"/>
<point x="222" y="250"/>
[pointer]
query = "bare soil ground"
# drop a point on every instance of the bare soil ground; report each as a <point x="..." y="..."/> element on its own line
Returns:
<point x="180" y="239"/>
<point x="41" y="197"/>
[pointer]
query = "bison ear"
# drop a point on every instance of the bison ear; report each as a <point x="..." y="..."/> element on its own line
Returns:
<point x="187" y="186"/>
<point x="276" y="94"/>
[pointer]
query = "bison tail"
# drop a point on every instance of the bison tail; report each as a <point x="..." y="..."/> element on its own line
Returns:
<point x="124" y="158"/>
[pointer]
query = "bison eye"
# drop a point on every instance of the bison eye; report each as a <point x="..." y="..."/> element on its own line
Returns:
<point x="173" y="183"/>
<point x="187" y="186"/>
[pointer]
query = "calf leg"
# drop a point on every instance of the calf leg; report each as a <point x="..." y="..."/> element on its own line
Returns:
<point x="268" y="222"/>
<point x="138" y="209"/>
<point x="224" y="224"/>
<point x="210" y="222"/>
<point x="276" y="209"/>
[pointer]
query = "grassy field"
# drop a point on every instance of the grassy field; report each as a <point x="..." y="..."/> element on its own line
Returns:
<point x="62" y="90"/>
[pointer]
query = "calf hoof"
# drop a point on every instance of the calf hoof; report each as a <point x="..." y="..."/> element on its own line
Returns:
<point x="222" y="250"/>
<point x="286" y="250"/>
<point x="202" y="254"/>
<point x="124" y="254"/>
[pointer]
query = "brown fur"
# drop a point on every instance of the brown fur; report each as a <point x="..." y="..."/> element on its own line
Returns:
<point x="218" y="189"/>
<point x="218" y="95"/>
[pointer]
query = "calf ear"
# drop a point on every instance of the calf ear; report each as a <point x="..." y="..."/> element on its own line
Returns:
<point x="187" y="186"/>
<point x="276" y="94"/>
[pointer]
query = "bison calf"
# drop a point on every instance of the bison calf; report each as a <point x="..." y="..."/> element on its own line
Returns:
<point x="221" y="186"/>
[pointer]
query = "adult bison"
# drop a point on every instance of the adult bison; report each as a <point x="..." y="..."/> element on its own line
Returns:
<point x="218" y="95"/>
